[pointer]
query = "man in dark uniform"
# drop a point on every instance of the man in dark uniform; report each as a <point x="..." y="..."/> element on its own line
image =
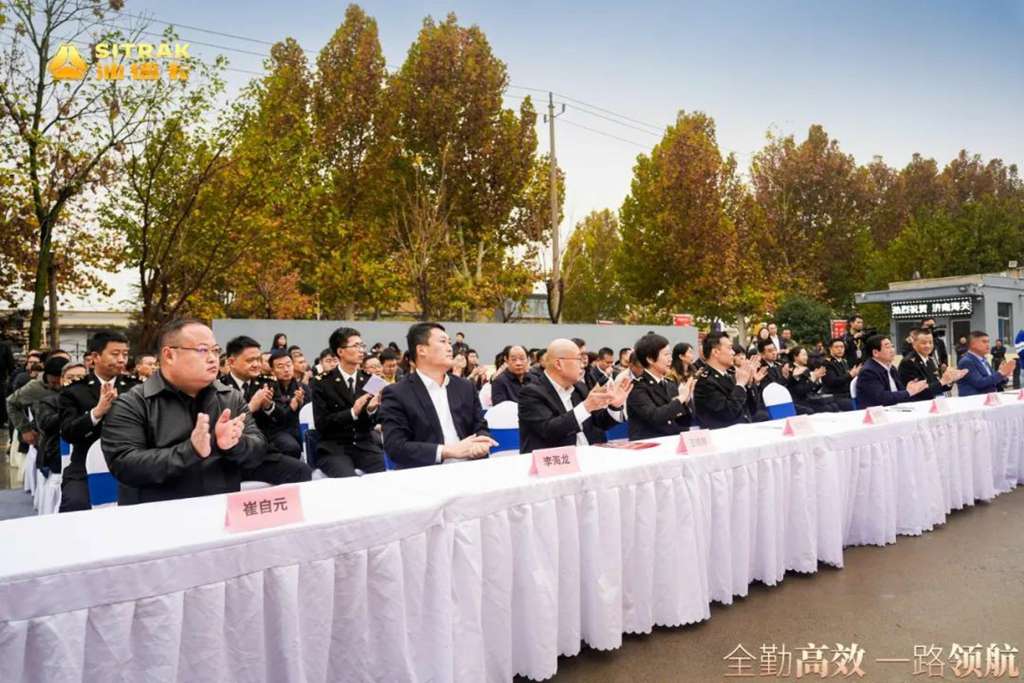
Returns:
<point x="854" y="340"/>
<point x="245" y="373"/>
<point x="839" y="374"/>
<point x="920" y="364"/>
<point x="83" y="406"/>
<point x="344" y="413"/>
<point x="290" y="395"/>
<point x="720" y="397"/>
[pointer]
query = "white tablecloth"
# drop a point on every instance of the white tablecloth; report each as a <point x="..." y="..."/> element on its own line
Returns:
<point x="478" y="571"/>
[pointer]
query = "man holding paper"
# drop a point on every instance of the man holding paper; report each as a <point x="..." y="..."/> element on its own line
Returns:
<point x="345" y="402"/>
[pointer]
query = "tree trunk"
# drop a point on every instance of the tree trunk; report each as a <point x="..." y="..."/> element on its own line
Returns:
<point x="35" y="329"/>
<point x="51" y="276"/>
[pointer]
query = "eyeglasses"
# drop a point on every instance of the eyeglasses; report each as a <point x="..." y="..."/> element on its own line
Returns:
<point x="579" y="358"/>
<point x="202" y="350"/>
<point x="360" y="345"/>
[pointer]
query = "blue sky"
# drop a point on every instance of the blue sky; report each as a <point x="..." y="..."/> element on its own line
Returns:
<point x="885" y="78"/>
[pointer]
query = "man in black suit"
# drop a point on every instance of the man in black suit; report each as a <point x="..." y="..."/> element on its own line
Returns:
<point x="430" y="416"/>
<point x="939" y="354"/>
<point x="344" y="413"/>
<point x="838" y="373"/>
<point x="658" y="406"/>
<point x="83" y="407"/>
<point x="601" y="370"/>
<point x="878" y="383"/>
<point x="559" y="410"/>
<point x="245" y="373"/>
<point x="920" y="364"/>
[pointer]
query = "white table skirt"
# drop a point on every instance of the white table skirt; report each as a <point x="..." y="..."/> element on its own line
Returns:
<point x="477" y="571"/>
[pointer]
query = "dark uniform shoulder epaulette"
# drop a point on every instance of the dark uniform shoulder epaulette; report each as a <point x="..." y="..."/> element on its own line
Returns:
<point x="703" y="372"/>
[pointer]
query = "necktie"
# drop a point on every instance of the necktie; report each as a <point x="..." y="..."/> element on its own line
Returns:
<point x="351" y="385"/>
<point x="245" y="388"/>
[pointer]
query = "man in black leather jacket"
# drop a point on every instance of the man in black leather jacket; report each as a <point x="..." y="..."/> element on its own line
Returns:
<point x="183" y="433"/>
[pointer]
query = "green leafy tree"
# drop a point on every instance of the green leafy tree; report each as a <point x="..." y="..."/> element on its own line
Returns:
<point x="592" y="290"/>
<point x="806" y="317"/>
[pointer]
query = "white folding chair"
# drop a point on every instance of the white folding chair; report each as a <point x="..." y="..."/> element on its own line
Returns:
<point x="102" y="485"/>
<point x="503" y="422"/>
<point x="778" y="401"/>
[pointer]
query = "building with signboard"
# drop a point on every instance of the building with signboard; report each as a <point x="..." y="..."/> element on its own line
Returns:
<point x="992" y="302"/>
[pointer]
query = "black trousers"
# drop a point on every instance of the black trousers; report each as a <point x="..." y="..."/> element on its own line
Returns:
<point x="279" y="470"/>
<point x="74" y="494"/>
<point x="342" y="460"/>
<point x="285" y="442"/>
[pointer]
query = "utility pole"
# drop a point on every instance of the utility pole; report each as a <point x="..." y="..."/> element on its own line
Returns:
<point x="554" y="285"/>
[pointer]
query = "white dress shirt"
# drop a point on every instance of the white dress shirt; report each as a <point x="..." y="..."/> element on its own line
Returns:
<point x="241" y="387"/>
<point x="438" y="394"/>
<point x="888" y="373"/>
<point x="580" y="411"/>
<point x="92" y="413"/>
<point x="345" y="377"/>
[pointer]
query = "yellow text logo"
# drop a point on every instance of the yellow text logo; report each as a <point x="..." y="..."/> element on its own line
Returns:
<point x="67" y="64"/>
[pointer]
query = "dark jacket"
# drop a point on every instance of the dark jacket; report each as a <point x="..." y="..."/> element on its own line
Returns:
<point x="873" y="387"/>
<point x="412" y="431"/>
<point x="654" y="409"/>
<point x="266" y="421"/>
<point x="507" y="387"/>
<point x="856" y="352"/>
<point x="837" y="377"/>
<point x="288" y="419"/>
<point x="76" y="401"/>
<point x="913" y="368"/>
<point x="47" y="418"/>
<point x="545" y="423"/>
<point x="332" y="413"/>
<point x="147" y="443"/>
<point x="718" y="401"/>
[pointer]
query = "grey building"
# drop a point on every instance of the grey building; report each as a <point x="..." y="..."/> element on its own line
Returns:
<point x="991" y="302"/>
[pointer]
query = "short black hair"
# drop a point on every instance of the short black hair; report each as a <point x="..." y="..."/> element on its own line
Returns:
<point x="340" y="337"/>
<point x="604" y="351"/>
<point x="978" y="334"/>
<point x="239" y="344"/>
<point x="579" y="342"/>
<point x="388" y="354"/>
<point x="276" y="354"/>
<point x="624" y="349"/>
<point x="854" y="316"/>
<point x="293" y="348"/>
<point x="874" y="342"/>
<point x="739" y="350"/>
<point x="764" y="343"/>
<point x="419" y="335"/>
<point x="712" y="341"/>
<point x="924" y="320"/>
<point x="172" y="329"/>
<point x="648" y="347"/>
<point x="324" y="354"/>
<point x="100" y="340"/>
<point x="837" y="339"/>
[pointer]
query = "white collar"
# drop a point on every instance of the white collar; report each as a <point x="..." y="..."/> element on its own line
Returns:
<point x="653" y="376"/>
<point x="354" y="376"/>
<point x="558" y="387"/>
<point x="429" y="381"/>
<point x="238" y="380"/>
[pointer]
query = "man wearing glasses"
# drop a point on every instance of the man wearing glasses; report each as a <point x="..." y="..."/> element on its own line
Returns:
<point x="183" y="433"/>
<point x="559" y="409"/>
<point x="344" y="413"/>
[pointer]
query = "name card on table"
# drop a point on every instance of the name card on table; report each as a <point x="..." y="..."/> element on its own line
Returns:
<point x="875" y="416"/>
<point x="939" y="405"/>
<point x="992" y="399"/>
<point x="695" y="442"/>
<point x="263" y="508"/>
<point x="799" y="425"/>
<point x="548" y="462"/>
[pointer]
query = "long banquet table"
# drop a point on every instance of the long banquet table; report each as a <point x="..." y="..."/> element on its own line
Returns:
<point x="478" y="571"/>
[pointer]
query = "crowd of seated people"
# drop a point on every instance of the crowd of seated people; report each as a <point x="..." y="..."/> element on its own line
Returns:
<point x="191" y="418"/>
